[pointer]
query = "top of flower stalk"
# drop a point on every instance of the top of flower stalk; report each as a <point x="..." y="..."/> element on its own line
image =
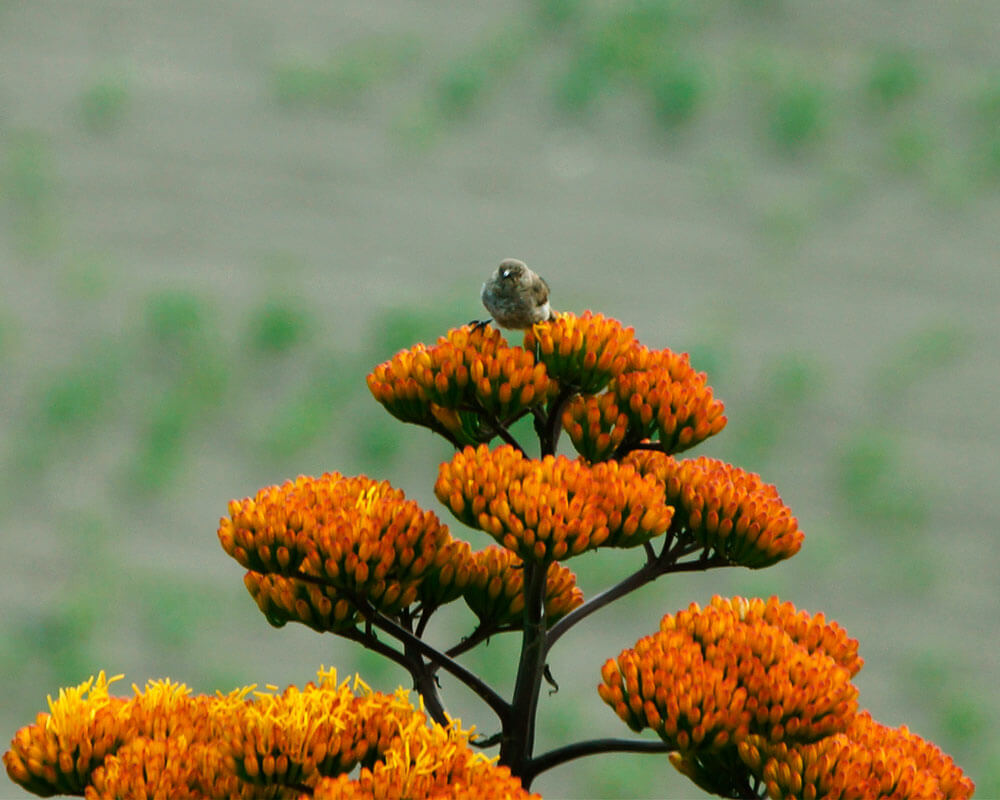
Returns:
<point x="466" y="386"/>
<point x="582" y="353"/>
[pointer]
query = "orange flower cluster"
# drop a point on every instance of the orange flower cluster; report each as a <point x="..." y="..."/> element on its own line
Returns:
<point x="661" y="392"/>
<point x="496" y="590"/>
<point x="724" y="508"/>
<point x="658" y="394"/>
<point x="711" y="677"/>
<point x="469" y="373"/>
<point x="595" y="425"/>
<point x="869" y="761"/>
<point x="553" y="508"/>
<point x="174" y="768"/>
<point x="451" y="776"/>
<point x="313" y="544"/>
<point x="583" y="352"/>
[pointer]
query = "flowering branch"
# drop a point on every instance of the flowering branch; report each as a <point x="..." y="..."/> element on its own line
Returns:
<point x="746" y="696"/>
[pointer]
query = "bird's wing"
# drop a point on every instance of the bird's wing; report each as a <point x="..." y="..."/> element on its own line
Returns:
<point x="540" y="291"/>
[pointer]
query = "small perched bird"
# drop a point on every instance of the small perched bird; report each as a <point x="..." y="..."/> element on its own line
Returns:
<point x="516" y="296"/>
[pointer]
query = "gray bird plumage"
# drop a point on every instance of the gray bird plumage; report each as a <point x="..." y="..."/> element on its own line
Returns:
<point x="516" y="297"/>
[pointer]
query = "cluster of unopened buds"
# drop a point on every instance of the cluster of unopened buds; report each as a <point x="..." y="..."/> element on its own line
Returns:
<point x="747" y="698"/>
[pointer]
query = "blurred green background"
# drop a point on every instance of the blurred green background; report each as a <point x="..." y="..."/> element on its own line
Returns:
<point x="216" y="218"/>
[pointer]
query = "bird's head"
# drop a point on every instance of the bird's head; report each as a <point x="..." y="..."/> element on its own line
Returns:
<point x="511" y="269"/>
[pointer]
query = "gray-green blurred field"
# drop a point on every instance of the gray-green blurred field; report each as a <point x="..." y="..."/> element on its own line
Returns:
<point x="217" y="217"/>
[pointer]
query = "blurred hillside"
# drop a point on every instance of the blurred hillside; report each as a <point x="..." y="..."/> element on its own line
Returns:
<point x="216" y="218"/>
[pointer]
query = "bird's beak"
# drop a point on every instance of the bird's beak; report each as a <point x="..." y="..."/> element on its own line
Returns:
<point x="505" y="272"/>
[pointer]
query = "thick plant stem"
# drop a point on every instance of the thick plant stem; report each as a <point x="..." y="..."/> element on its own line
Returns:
<point x="549" y="430"/>
<point x="519" y="732"/>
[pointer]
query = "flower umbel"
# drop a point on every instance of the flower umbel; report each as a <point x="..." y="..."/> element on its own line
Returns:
<point x="725" y="509"/>
<point x="582" y="353"/>
<point x="466" y="386"/>
<point x="553" y="508"/>
<point x="657" y="396"/>
<point x="595" y="425"/>
<point x="711" y="677"/>
<point x="316" y="546"/>
<point x="869" y="761"/>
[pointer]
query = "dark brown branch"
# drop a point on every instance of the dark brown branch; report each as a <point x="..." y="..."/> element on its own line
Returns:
<point x="646" y="573"/>
<point x="379" y="620"/>
<point x="495" y="425"/>
<point x="663" y="564"/>
<point x="500" y="706"/>
<point x="374" y="644"/>
<point x="629" y="444"/>
<point x="550" y="430"/>
<point x="480" y="634"/>
<point x="553" y="758"/>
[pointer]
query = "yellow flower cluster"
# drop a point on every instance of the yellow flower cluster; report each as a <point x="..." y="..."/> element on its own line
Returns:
<point x="298" y="736"/>
<point x="57" y="754"/>
<point x="496" y="590"/>
<point x="711" y="677"/>
<point x="582" y="352"/>
<point x="869" y="761"/>
<point x="315" y="737"/>
<point x="469" y="373"/>
<point x="460" y="776"/>
<point x="553" y="508"/>
<point x="165" y="742"/>
<point x="156" y="744"/>
<point x="724" y="508"/>
<point x="312" y="545"/>
<point x="427" y="763"/>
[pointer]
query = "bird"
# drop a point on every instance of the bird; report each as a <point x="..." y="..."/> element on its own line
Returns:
<point x="516" y="297"/>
